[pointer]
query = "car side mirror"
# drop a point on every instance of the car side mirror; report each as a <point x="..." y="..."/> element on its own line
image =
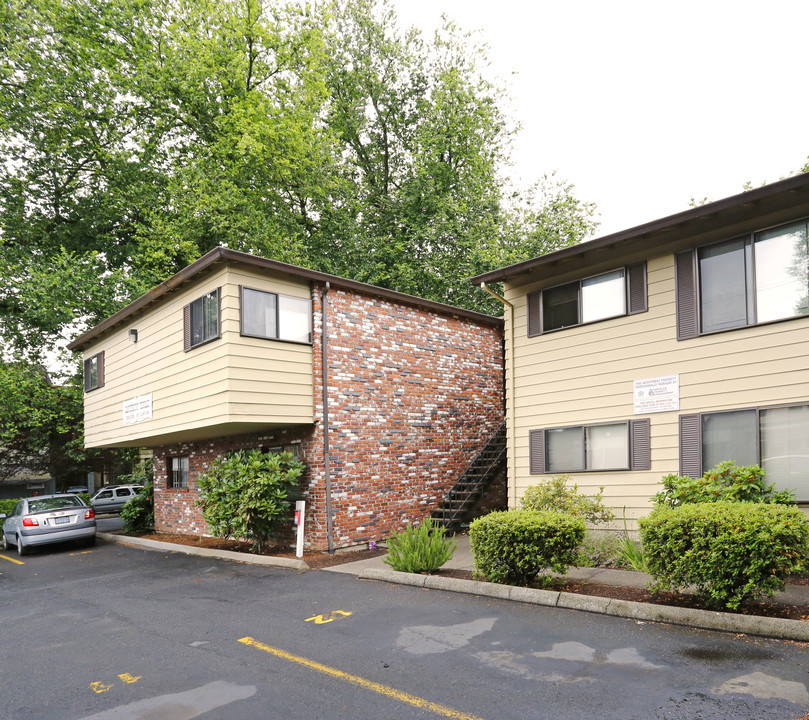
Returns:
<point x="3" y="516"/>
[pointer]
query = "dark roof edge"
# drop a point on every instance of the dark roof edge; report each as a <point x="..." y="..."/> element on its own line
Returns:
<point x="221" y="254"/>
<point x="797" y="182"/>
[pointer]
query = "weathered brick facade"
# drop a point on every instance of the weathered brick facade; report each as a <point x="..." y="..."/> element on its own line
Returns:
<point x="413" y="394"/>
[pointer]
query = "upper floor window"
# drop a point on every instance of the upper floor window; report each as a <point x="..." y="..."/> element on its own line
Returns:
<point x="620" y="445"/>
<point x="753" y="279"/>
<point x="201" y="320"/>
<point x="279" y="317"/>
<point x="776" y="438"/>
<point x="94" y="372"/>
<point x="613" y="294"/>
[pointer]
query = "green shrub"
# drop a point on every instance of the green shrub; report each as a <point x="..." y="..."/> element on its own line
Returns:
<point x="515" y="546"/>
<point x="7" y="506"/>
<point x="599" y="550"/>
<point x="245" y="495"/>
<point x="556" y="495"/>
<point x="419" y="548"/>
<point x="137" y="516"/>
<point x="726" y="481"/>
<point x="731" y="551"/>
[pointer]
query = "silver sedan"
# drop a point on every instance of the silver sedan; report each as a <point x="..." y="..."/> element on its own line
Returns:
<point x="48" y="519"/>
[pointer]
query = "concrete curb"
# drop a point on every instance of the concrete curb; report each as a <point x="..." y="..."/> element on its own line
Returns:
<point x="287" y="563"/>
<point x="704" y="619"/>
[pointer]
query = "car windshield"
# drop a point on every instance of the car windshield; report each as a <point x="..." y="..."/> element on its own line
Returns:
<point x="53" y="503"/>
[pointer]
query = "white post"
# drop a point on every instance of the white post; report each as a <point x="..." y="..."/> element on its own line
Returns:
<point x="300" y="514"/>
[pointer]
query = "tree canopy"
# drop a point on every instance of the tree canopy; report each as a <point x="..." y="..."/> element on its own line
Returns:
<point x="140" y="134"/>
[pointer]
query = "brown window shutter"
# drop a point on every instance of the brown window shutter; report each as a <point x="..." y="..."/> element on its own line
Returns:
<point x="101" y="369"/>
<point x="218" y="312"/>
<point x="87" y="374"/>
<point x="536" y="444"/>
<point x="641" y="451"/>
<point x="686" y="293"/>
<point x="690" y="446"/>
<point x="187" y="328"/>
<point x="636" y="293"/>
<point x="534" y="313"/>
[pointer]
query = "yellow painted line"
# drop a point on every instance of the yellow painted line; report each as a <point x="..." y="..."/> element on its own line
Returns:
<point x="328" y="617"/>
<point x="390" y="692"/>
<point x="16" y="562"/>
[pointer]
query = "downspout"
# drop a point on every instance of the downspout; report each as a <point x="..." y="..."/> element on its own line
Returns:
<point x="325" y="377"/>
<point x="510" y="413"/>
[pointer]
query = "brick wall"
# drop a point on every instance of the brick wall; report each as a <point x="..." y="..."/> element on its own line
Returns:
<point x="413" y="395"/>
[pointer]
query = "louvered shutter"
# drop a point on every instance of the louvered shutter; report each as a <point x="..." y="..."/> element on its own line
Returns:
<point x="636" y="293"/>
<point x="187" y="328"/>
<point x="536" y="444"/>
<point x="640" y="437"/>
<point x="690" y="446"/>
<point x="100" y="369"/>
<point x="686" y="292"/>
<point x="534" y="306"/>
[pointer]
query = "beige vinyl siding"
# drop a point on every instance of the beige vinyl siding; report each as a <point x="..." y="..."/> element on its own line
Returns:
<point x="233" y="383"/>
<point x="585" y="375"/>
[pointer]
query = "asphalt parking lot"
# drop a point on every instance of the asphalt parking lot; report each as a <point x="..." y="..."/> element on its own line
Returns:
<point x="124" y="633"/>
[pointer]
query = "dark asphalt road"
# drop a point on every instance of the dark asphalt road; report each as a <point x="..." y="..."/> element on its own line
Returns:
<point x="120" y="633"/>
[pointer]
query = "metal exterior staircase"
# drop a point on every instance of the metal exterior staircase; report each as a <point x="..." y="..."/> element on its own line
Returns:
<point x="477" y="476"/>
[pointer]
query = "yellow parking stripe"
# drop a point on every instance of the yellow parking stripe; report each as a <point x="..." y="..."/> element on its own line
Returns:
<point x="362" y="682"/>
<point x="16" y="562"/>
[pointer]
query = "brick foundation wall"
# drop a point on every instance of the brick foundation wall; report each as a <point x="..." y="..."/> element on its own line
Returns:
<point x="413" y="396"/>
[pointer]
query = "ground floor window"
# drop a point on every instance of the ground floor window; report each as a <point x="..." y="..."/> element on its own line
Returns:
<point x="776" y="438"/>
<point x="622" y="445"/>
<point x="177" y="472"/>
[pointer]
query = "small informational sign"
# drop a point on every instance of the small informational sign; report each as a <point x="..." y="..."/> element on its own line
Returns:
<point x="659" y="394"/>
<point x="138" y="409"/>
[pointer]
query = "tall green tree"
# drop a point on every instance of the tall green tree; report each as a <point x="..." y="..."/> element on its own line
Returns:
<point x="140" y="134"/>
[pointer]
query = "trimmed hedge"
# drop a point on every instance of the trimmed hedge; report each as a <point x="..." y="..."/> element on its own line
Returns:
<point x="514" y="546"/>
<point x="731" y="551"/>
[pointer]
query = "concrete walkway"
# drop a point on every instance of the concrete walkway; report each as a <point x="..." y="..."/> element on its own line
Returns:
<point x="376" y="569"/>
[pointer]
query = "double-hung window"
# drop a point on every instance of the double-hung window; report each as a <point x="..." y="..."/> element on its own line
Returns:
<point x="612" y="294"/>
<point x="757" y="278"/>
<point x="609" y="446"/>
<point x="94" y="372"/>
<point x="776" y="438"/>
<point x="201" y="320"/>
<point x="177" y="472"/>
<point x="277" y="317"/>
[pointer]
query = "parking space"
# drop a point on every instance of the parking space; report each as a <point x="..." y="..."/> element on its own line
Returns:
<point x="121" y="632"/>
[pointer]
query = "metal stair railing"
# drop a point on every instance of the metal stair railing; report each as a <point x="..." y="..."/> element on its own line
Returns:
<point x="473" y="481"/>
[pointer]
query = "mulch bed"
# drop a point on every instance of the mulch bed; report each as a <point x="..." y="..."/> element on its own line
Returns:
<point x="319" y="560"/>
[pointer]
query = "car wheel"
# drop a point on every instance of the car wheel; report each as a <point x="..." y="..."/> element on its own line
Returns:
<point x="21" y="549"/>
<point x="90" y="541"/>
<point x="6" y="545"/>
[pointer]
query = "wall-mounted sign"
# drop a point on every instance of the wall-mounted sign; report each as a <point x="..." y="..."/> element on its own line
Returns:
<point x="138" y="409"/>
<point x="658" y="394"/>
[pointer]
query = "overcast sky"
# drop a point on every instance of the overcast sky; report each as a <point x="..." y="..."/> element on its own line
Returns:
<point x="643" y="105"/>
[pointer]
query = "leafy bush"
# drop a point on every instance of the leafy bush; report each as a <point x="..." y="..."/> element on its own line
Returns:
<point x="419" y="548"/>
<point x="245" y="494"/>
<point x="514" y="546"/>
<point x="598" y="550"/>
<point x="7" y="506"/>
<point x="731" y="551"/>
<point x="137" y="515"/>
<point x="726" y="481"/>
<point x="557" y="495"/>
